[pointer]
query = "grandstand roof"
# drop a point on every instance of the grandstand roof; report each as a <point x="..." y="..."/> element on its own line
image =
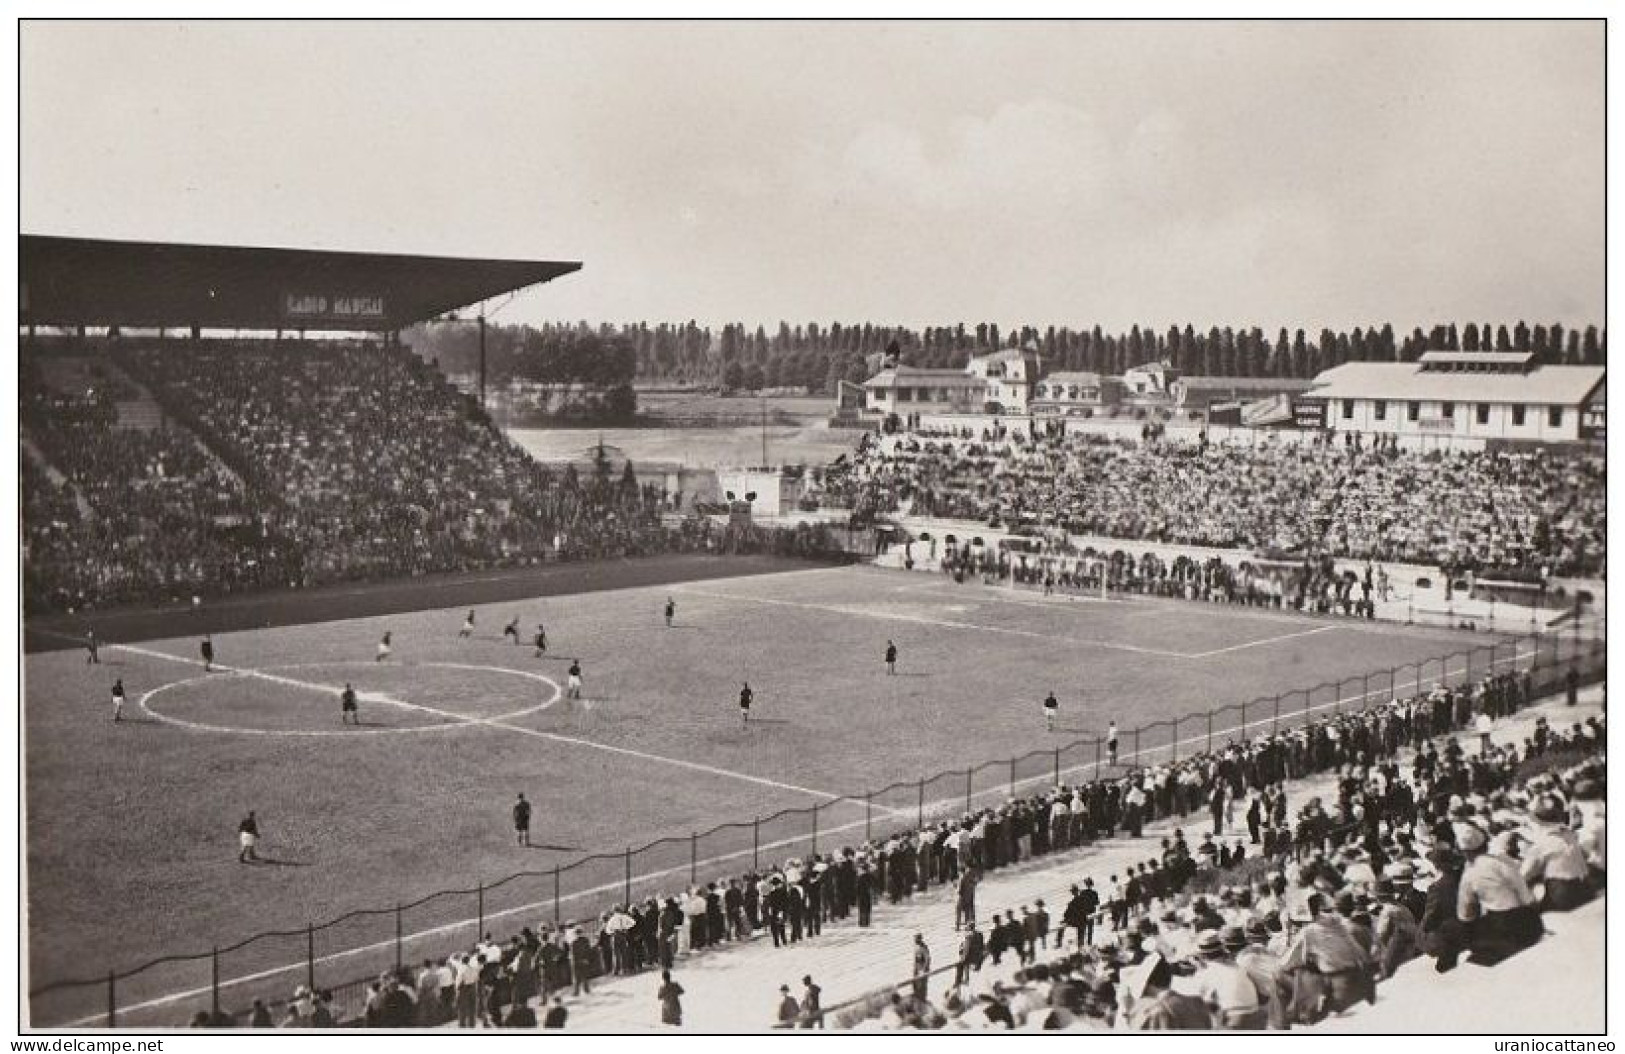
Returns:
<point x="1544" y="385"/>
<point x="85" y="281"/>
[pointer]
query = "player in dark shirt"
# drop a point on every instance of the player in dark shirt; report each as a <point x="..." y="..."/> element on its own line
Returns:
<point x="248" y="838"/>
<point x="671" y="610"/>
<point x="541" y="640"/>
<point x="207" y="648"/>
<point x="118" y="699"/>
<point x="745" y="698"/>
<point x="1051" y="708"/>
<point x="511" y="631"/>
<point x="348" y="710"/>
<point x="573" y="690"/>
<point x="891" y="657"/>
<point x="521" y="820"/>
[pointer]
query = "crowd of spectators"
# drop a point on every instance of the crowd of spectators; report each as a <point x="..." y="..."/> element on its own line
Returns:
<point x="137" y="513"/>
<point x="376" y="466"/>
<point x="1529" y="513"/>
<point x="319" y="462"/>
<point x="1458" y="858"/>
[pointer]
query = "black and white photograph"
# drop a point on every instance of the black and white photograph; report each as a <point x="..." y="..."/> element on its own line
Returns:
<point x="834" y="526"/>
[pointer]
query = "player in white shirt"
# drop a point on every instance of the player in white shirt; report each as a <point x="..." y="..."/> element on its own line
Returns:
<point x="1051" y="708"/>
<point x="383" y="648"/>
<point x="468" y="625"/>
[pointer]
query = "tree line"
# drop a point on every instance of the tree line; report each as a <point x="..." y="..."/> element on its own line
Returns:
<point x="816" y="356"/>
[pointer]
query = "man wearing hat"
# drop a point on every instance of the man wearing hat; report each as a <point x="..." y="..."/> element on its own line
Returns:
<point x="971" y="951"/>
<point x="1403" y="875"/>
<point x="788" y="1009"/>
<point x="1493" y="902"/>
<point x="1229" y="993"/>
<point x="1396" y="934"/>
<point x="1325" y="951"/>
<point x="1263" y="967"/>
<point x="1555" y="859"/>
<point x="1152" y="1006"/>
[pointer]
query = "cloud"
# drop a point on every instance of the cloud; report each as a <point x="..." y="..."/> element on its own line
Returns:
<point x="1035" y="153"/>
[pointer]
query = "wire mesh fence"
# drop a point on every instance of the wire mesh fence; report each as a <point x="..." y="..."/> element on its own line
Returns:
<point x="343" y="954"/>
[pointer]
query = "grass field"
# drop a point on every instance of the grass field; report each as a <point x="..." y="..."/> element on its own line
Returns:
<point x="131" y="826"/>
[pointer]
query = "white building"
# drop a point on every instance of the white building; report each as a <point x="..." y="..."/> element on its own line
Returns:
<point x="776" y="492"/>
<point x="1068" y="394"/>
<point x="905" y="390"/>
<point x="1010" y="375"/>
<point x="1474" y="395"/>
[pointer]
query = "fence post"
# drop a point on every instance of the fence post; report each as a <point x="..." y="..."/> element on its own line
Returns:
<point x="920" y="816"/>
<point x="1210" y="730"/>
<point x="214" y="981"/>
<point x="479" y="909"/>
<point x="1057" y="766"/>
<point x="112" y="1000"/>
<point x="555" y="895"/>
<point x="628" y="875"/>
<point x="310" y="956"/>
<point x="693" y="858"/>
<point x="756" y="842"/>
<point x="397" y="936"/>
<point x="815" y="830"/>
<point x="1097" y="759"/>
<point x="1173" y="741"/>
<point x="868" y="814"/>
<point x="1012" y="777"/>
<point x="1136" y="746"/>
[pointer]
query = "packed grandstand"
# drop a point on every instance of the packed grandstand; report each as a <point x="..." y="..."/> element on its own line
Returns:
<point x="292" y="464"/>
<point x="1530" y="512"/>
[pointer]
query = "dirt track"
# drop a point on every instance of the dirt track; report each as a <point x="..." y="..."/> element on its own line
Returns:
<point x="360" y="599"/>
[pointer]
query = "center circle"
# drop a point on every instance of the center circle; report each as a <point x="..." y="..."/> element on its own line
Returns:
<point x="286" y="674"/>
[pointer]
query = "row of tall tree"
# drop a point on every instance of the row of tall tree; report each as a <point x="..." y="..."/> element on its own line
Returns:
<point x="817" y="356"/>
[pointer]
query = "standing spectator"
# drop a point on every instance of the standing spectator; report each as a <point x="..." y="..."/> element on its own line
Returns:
<point x="812" y="1008"/>
<point x="788" y="1009"/>
<point x="670" y="996"/>
<point x="922" y="966"/>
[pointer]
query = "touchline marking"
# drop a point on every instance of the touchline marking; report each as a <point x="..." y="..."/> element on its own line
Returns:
<point x="503" y="723"/>
<point x="1266" y="640"/>
<point x="894" y="616"/>
<point x="934" y="806"/>
<point x="708" y="862"/>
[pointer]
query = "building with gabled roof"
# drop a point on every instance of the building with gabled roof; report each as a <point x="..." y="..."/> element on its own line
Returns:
<point x="1465" y="395"/>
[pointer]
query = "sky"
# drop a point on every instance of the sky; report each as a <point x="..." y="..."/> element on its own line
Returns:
<point x="1087" y="173"/>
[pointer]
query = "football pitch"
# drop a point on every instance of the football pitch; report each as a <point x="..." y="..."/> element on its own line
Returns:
<point x="131" y="826"/>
